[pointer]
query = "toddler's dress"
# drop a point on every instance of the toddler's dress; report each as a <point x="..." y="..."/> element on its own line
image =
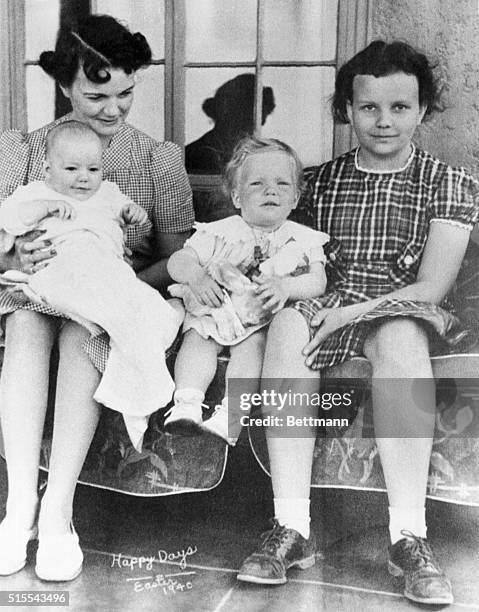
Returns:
<point x="89" y="282"/>
<point x="290" y="249"/>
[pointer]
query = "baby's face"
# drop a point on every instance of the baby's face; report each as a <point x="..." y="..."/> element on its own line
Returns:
<point x="73" y="167"/>
<point x="267" y="190"/>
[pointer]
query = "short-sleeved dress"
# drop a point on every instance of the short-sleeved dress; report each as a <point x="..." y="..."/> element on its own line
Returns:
<point x="378" y="223"/>
<point x="148" y="172"/>
<point x="288" y="250"/>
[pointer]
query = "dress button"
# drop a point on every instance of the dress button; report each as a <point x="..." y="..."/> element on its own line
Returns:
<point x="332" y="257"/>
<point x="408" y="260"/>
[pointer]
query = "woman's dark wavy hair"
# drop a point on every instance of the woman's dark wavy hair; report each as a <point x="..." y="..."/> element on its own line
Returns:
<point x="98" y="44"/>
<point x="381" y="59"/>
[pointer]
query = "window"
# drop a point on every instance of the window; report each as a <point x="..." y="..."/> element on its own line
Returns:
<point x="221" y="68"/>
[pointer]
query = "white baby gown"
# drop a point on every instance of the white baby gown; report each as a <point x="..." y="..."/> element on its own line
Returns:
<point x="89" y="282"/>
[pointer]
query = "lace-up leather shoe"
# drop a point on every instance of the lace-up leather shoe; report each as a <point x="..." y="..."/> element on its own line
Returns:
<point x="424" y="581"/>
<point x="280" y="549"/>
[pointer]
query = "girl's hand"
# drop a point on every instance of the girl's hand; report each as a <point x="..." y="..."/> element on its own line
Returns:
<point x="328" y="320"/>
<point x="273" y="292"/>
<point x="134" y="214"/>
<point x="206" y="290"/>
<point x="30" y="253"/>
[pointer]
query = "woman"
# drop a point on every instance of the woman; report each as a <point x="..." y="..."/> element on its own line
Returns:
<point x="403" y="219"/>
<point x="95" y="67"/>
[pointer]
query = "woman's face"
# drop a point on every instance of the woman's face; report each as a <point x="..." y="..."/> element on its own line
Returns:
<point x="385" y="113"/>
<point x="103" y="106"/>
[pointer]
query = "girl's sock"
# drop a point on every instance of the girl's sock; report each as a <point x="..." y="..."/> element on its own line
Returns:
<point x="293" y="512"/>
<point x="404" y="518"/>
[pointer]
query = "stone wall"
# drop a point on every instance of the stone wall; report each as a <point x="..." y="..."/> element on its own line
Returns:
<point x="448" y="32"/>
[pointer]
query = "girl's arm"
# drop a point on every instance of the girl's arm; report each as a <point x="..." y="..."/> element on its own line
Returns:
<point x="443" y="254"/>
<point x="184" y="267"/>
<point x="277" y="290"/>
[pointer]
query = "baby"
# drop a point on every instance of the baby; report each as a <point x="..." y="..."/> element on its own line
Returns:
<point x="88" y="280"/>
<point x="235" y="274"/>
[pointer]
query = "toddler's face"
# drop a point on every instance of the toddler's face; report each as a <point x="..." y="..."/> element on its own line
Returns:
<point x="267" y="190"/>
<point x="74" y="166"/>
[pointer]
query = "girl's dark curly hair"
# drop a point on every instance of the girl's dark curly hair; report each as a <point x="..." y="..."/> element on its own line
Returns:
<point x="98" y="44"/>
<point x="381" y="59"/>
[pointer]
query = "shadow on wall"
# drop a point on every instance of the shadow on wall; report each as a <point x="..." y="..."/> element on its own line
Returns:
<point x="232" y="110"/>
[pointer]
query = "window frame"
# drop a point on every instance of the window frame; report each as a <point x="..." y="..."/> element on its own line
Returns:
<point x="353" y="33"/>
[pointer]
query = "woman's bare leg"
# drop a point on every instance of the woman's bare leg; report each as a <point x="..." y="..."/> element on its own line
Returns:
<point x="24" y="396"/>
<point x="76" y="419"/>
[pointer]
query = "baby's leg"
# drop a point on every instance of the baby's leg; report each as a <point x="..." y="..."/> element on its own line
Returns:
<point x="195" y="368"/>
<point x="246" y="361"/>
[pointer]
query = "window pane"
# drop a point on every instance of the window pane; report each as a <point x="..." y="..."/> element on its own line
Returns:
<point x="219" y="110"/>
<point x="219" y="31"/>
<point x="147" y="112"/>
<point x="302" y="115"/>
<point x="145" y="16"/>
<point x="42" y="18"/>
<point x="300" y="31"/>
<point x="40" y="98"/>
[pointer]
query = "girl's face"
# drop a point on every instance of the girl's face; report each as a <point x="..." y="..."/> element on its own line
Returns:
<point x="102" y="106"/>
<point x="266" y="191"/>
<point x="385" y="113"/>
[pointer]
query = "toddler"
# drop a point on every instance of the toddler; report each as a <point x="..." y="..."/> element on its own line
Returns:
<point x="235" y="274"/>
<point x="88" y="280"/>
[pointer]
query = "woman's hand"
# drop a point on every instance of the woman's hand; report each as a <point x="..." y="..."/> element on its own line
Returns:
<point x="31" y="254"/>
<point x="328" y="320"/>
<point x="273" y="292"/>
<point x="134" y="214"/>
<point x="206" y="290"/>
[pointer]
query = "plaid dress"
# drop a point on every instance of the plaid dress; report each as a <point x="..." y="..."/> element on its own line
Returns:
<point x="379" y="224"/>
<point x="150" y="173"/>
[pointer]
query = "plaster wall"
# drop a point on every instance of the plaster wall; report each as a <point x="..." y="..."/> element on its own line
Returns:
<point x="448" y="32"/>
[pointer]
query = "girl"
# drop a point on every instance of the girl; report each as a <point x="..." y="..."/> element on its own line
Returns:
<point x="403" y="219"/>
<point x="284" y="259"/>
<point x="95" y="66"/>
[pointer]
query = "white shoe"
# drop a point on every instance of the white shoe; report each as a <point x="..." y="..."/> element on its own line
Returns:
<point x="219" y="424"/>
<point x="13" y="547"/>
<point x="184" y="417"/>
<point x="59" y="557"/>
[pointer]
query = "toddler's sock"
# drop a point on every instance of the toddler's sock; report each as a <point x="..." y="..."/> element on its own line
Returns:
<point x="189" y="394"/>
<point x="293" y="512"/>
<point x="404" y="518"/>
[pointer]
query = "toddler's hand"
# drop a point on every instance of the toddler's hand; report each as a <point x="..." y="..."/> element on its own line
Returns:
<point x="206" y="290"/>
<point x="134" y="214"/>
<point x="272" y="292"/>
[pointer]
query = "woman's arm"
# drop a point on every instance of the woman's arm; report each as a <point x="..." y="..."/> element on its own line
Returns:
<point x="440" y="264"/>
<point x="156" y="274"/>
